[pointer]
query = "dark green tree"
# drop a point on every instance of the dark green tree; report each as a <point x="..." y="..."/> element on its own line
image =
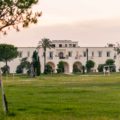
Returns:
<point x="100" y="67"/>
<point x="15" y="12"/>
<point x="60" y="67"/>
<point x="111" y="65"/>
<point x="45" y="43"/>
<point x="109" y="62"/>
<point x="90" y="64"/>
<point x="36" y="63"/>
<point x="7" y="53"/>
<point x="38" y="67"/>
<point x="48" y="69"/>
<point x="24" y="64"/>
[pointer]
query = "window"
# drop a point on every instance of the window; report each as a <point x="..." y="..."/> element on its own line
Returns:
<point x="65" y="45"/>
<point x="92" y="54"/>
<point x="60" y="45"/>
<point x="28" y="54"/>
<point x="108" y="54"/>
<point x="84" y="54"/>
<point x="70" y="54"/>
<point x="51" y="55"/>
<point x="53" y="45"/>
<point x="70" y="45"/>
<point x="20" y="54"/>
<point x="74" y="45"/>
<point x="100" y="54"/>
<point x="61" y="55"/>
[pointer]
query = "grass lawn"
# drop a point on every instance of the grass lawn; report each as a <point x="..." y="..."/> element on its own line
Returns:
<point x="62" y="97"/>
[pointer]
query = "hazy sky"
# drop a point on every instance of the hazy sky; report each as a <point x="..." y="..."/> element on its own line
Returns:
<point x="91" y="22"/>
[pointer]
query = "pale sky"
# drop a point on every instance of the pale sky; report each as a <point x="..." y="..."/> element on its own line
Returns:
<point x="91" y="22"/>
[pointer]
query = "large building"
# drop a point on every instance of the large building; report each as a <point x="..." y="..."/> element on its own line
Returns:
<point x="69" y="52"/>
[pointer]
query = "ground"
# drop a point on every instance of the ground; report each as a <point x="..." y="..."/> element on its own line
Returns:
<point x="62" y="97"/>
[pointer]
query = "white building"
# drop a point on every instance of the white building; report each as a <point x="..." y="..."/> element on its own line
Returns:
<point x="69" y="52"/>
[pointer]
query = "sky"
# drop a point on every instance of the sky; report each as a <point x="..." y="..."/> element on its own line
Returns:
<point x="90" y="22"/>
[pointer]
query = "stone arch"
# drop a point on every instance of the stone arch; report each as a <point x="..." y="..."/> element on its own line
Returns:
<point x="66" y="67"/>
<point x="52" y="65"/>
<point x="78" y="65"/>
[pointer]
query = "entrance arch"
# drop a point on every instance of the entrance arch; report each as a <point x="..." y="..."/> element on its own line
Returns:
<point x="52" y="65"/>
<point x="77" y="66"/>
<point x="66" y="67"/>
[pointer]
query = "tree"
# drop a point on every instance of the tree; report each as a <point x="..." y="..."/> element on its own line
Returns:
<point x="7" y="53"/>
<point x="36" y="63"/>
<point x="111" y="65"/>
<point x="60" y="67"/>
<point x="109" y="62"/>
<point x="24" y="64"/>
<point x="100" y="67"/>
<point x="90" y="64"/>
<point x="15" y="12"/>
<point x="48" y="69"/>
<point x="45" y="43"/>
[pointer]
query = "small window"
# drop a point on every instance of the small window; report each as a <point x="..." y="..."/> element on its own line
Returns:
<point x="108" y="54"/>
<point x="51" y="55"/>
<point x="60" y="45"/>
<point x="100" y="54"/>
<point x="92" y="54"/>
<point x="65" y="45"/>
<point x="20" y="54"/>
<point x="74" y="45"/>
<point x="28" y="54"/>
<point x="70" y="54"/>
<point x="70" y="45"/>
<point x="53" y="45"/>
<point x="84" y="54"/>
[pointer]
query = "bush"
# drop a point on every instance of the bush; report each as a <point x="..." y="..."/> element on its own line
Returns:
<point x="100" y="67"/>
<point x="60" y="66"/>
<point x="90" y="64"/>
<point x="5" y="69"/>
<point x="19" y="69"/>
<point x="48" y="69"/>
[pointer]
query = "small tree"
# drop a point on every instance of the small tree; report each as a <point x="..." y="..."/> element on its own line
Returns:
<point x="24" y="64"/>
<point x="90" y="64"/>
<point x="60" y="67"/>
<point x="36" y="63"/>
<point x="110" y="63"/>
<point x="48" y="69"/>
<point x="7" y="53"/>
<point x="100" y="67"/>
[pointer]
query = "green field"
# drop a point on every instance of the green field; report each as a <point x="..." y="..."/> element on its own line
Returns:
<point x="62" y="97"/>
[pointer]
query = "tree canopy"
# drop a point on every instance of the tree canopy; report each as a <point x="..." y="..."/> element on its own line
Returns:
<point x="90" y="64"/>
<point x="7" y="52"/>
<point x="14" y="12"/>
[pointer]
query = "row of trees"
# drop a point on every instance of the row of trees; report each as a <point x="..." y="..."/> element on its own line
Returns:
<point x="9" y="52"/>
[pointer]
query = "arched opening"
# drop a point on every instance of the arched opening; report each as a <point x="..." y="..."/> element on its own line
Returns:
<point x="61" y="55"/>
<point x="52" y="65"/>
<point x="77" y="67"/>
<point x="66" y="67"/>
<point x="63" y="67"/>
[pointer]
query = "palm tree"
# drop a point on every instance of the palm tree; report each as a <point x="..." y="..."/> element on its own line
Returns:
<point x="45" y="43"/>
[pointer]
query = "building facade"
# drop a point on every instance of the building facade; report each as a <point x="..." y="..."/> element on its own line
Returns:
<point x="70" y="53"/>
